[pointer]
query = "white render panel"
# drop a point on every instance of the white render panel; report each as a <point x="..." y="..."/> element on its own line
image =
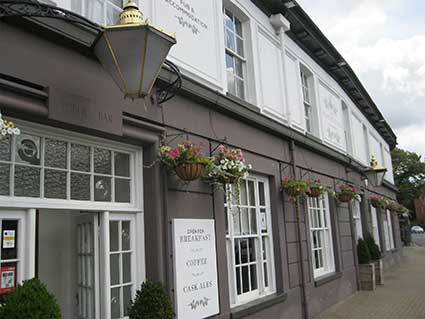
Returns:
<point x="293" y="83"/>
<point x="359" y="147"/>
<point x="270" y="75"/>
<point x="332" y="117"/>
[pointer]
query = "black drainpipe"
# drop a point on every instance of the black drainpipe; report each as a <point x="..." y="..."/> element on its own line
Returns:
<point x="298" y="212"/>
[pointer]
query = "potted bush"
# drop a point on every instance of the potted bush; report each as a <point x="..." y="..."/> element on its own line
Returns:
<point x="294" y="188"/>
<point x="185" y="159"/>
<point x="151" y="302"/>
<point x="228" y="167"/>
<point x="366" y="268"/>
<point x="376" y="257"/>
<point x="347" y="193"/>
<point x="31" y="300"/>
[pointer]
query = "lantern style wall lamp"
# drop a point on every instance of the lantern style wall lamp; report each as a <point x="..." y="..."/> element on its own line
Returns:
<point x="376" y="173"/>
<point x="132" y="52"/>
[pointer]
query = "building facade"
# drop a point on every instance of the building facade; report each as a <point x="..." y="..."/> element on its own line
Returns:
<point x="94" y="214"/>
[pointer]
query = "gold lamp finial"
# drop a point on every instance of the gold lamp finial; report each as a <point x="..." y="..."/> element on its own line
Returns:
<point x="131" y="14"/>
<point x="374" y="163"/>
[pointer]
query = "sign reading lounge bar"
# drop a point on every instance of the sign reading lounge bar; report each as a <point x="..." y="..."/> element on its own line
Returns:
<point x="195" y="268"/>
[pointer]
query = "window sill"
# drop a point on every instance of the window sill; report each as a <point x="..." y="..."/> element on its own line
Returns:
<point x="248" y="105"/>
<point x="313" y="136"/>
<point x="327" y="278"/>
<point x="257" y="305"/>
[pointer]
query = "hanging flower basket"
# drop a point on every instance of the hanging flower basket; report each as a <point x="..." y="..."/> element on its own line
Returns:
<point x="316" y="189"/>
<point x="189" y="171"/>
<point x="186" y="160"/>
<point x="314" y="192"/>
<point x="379" y="202"/>
<point x="347" y="194"/>
<point x="294" y="188"/>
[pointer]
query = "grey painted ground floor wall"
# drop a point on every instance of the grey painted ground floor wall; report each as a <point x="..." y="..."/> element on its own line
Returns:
<point x="24" y="93"/>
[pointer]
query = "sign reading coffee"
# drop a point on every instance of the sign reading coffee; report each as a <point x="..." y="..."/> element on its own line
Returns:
<point x="195" y="268"/>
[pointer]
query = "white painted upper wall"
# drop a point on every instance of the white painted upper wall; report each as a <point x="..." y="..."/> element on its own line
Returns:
<point x="271" y="67"/>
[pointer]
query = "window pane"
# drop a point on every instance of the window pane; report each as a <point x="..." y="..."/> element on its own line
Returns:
<point x="238" y="26"/>
<point x="238" y="280"/>
<point x="252" y="250"/>
<point x="237" y="252"/>
<point x="122" y="164"/>
<point x="80" y="157"/>
<point x="5" y="148"/>
<point x="245" y="279"/>
<point x="27" y="181"/>
<point x="239" y="44"/>
<point x="230" y="40"/>
<point x="125" y="235"/>
<point x="251" y="193"/>
<point x="126" y="268"/>
<point x="228" y="20"/>
<point x="127" y="299"/>
<point x="4" y="179"/>
<point x="80" y="186"/>
<point x="239" y="68"/>
<point x="122" y="190"/>
<point x="236" y="221"/>
<point x="231" y="84"/>
<point x="28" y="149"/>
<point x="240" y="88"/>
<point x="253" y="271"/>
<point x="253" y="216"/>
<point x="55" y="153"/>
<point x="115" y="269"/>
<point x="54" y="184"/>
<point x="243" y="193"/>
<point x="115" y="303"/>
<point x="245" y="221"/>
<point x="102" y="161"/>
<point x="102" y="188"/>
<point x="244" y="251"/>
<point x="261" y="193"/>
<point x="266" y="279"/>
<point x="113" y="236"/>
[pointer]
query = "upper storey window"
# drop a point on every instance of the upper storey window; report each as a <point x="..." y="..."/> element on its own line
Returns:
<point x="105" y="12"/>
<point x="235" y="55"/>
<point x="306" y="100"/>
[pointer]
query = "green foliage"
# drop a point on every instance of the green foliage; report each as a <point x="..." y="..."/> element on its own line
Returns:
<point x="363" y="252"/>
<point x="375" y="252"/>
<point x="151" y="302"/>
<point x="31" y="300"/>
<point x="409" y="176"/>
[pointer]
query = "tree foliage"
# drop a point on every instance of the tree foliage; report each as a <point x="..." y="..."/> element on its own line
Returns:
<point x="409" y="176"/>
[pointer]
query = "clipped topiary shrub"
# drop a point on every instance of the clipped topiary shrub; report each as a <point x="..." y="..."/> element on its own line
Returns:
<point x="151" y="302"/>
<point x="363" y="252"/>
<point x="31" y="300"/>
<point x="375" y="252"/>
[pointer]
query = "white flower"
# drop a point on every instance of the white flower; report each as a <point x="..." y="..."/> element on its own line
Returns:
<point x="16" y="131"/>
<point x="3" y="132"/>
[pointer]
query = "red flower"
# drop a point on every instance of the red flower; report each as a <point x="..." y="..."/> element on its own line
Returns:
<point x="175" y="152"/>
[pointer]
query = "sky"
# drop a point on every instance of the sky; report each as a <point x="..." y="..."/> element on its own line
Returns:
<point x="384" y="43"/>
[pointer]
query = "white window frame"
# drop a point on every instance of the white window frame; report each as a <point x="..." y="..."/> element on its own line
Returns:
<point x="262" y="212"/>
<point x="235" y="56"/>
<point x="375" y="227"/>
<point x="320" y="222"/>
<point x="136" y="172"/>
<point x="307" y="90"/>
<point x="357" y="217"/>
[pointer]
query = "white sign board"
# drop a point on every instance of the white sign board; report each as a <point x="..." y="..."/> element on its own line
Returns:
<point x="195" y="268"/>
<point x="332" y="119"/>
<point x="196" y="25"/>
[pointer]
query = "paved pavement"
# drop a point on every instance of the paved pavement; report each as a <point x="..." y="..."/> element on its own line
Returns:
<point x="402" y="296"/>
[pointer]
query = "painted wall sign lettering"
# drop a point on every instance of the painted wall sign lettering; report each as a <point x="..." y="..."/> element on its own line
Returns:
<point x="82" y="111"/>
<point x="195" y="268"/>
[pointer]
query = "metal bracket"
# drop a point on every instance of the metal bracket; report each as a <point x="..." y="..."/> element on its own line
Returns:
<point x="165" y="92"/>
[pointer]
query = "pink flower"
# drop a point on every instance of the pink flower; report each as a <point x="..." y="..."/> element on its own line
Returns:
<point x="175" y="152"/>
<point x="221" y="148"/>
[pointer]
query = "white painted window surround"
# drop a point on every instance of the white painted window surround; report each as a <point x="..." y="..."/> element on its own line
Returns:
<point x="357" y="216"/>
<point x="388" y="231"/>
<point x="250" y="242"/>
<point x="375" y="227"/>
<point x="321" y="236"/>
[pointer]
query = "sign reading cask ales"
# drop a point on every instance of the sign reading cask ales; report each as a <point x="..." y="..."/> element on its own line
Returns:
<point x="195" y="268"/>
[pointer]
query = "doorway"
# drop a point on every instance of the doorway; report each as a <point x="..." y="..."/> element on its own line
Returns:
<point x="89" y="261"/>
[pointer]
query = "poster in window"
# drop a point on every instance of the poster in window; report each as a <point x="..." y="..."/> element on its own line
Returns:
<point x="7" y="279"/>
<point x="8" y="239"/>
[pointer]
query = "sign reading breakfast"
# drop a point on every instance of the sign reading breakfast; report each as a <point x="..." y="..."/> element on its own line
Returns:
<point x="195" y="268"/>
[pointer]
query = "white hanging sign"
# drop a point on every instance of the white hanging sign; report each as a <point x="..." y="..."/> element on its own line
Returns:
<point x="195" y="268"/>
